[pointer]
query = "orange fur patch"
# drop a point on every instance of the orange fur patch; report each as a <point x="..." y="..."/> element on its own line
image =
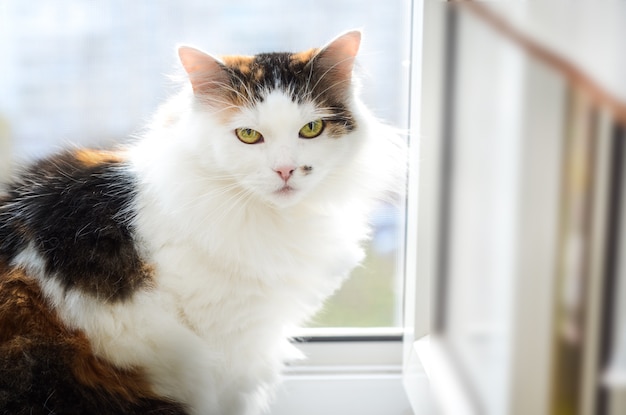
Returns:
<point x="240" y="62"/>
<point x="304" y="57"/>
<point x="92" y="158"/>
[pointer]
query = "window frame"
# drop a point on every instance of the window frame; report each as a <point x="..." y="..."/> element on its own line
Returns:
<point x="431" y="351"/>
<point x="538" y="258"/>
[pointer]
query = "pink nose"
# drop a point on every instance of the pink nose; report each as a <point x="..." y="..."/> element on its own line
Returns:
<point x="285" y="172"/>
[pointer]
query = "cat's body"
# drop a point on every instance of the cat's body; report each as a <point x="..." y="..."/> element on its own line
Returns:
<point x="164" y="278"/>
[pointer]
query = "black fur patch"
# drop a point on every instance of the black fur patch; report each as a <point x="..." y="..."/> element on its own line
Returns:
<point x="36" y="380"/>
<point x="78" y="215"/>
<point x="305" y="80"/>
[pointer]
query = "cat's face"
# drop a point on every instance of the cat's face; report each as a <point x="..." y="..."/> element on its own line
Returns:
<point x="284" y="121"/>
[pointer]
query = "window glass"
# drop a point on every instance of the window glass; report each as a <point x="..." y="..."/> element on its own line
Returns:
<point x="484" y="182"/>
<point x="92" y="72"/>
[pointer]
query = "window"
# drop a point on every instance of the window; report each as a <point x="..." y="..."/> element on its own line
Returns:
<point x="520" y="205"/>
<point x="92" y="73"/>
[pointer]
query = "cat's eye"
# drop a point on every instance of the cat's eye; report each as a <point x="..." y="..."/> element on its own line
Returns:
<point x="249" y="136"/>
<point x="312" y="129"/>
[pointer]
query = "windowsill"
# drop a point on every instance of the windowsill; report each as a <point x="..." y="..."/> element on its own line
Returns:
<point x="344" y="351"/>
<point x="340" y="394"/>
<point x="346" y="372"/>
<point x="348" y="333"/>
<point x="367" y="378"/>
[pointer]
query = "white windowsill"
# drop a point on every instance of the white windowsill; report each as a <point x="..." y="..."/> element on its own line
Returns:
<point x="335" y="394"/>
<point x="349" y="348"/>
<point x="344" y="377"/>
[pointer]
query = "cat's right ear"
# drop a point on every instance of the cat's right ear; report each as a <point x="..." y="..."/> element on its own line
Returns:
<point x="206" y="73"/>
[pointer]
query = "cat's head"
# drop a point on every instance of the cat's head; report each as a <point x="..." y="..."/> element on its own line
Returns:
<point x="279" y="124"/>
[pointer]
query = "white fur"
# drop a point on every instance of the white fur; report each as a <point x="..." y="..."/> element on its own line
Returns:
<point x="237" y="266"/>
<point x="139" y="333"/>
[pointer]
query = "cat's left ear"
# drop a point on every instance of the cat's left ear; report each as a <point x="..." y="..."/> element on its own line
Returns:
<point x="205" y="72"/>
<point x="338" y="56"/>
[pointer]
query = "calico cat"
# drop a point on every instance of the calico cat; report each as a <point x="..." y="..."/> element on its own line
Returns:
<point x="164" y="277"/>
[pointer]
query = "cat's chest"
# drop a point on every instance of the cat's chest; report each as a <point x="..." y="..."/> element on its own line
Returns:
<point x="223" y="279"/>
<point x="260" y="258"/>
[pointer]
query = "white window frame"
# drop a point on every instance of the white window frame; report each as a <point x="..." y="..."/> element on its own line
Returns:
<point x="427" y="348"/>
<point x="428" y="354"/>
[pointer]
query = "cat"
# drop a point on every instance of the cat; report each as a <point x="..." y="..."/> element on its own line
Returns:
<point x="165" y="276"/>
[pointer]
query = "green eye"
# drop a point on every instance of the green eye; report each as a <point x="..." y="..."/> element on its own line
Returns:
<point x="312" y="129"/>
<point x="249" y="136"/>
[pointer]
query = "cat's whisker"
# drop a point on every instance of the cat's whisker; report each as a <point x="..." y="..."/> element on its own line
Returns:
<point x="326" y="72"/>
<point x="206" y="197"/>
<point x="330" y="87"/>
<point x="308" y="80"/>
<point x="236" y="202"/>
<point x="226" y="178"/>
<point x="248" y="99"/>
<point x="214" y="192"/>
<point x="245" y="98"/>
<point x="223" y="87"/>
